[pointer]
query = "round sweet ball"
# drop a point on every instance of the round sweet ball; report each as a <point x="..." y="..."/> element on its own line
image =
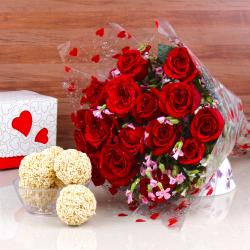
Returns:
<point x="73" y="167"/>
<point x="36" y="171"/>
<point x="75" y="205"/>
<point x="52" y="152"/>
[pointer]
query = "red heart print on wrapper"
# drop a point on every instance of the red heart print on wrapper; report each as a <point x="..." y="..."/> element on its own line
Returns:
<point x="42" y="136"/>
<point x="95" y="58"/>
<point x="121" y="34"/>
<point x="23" y="123"/>
<point x="100" y="32"/>
<point x="73" y="52"/>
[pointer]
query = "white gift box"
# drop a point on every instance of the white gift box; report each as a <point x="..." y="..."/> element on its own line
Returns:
<point x="28" y="124"/>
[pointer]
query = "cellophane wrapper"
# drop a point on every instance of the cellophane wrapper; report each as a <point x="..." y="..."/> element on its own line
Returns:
<point x="91" y="54"/>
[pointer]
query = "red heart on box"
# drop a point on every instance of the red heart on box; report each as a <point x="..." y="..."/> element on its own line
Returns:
<point x="42" y="136"/>
<point x="23" y="123"/>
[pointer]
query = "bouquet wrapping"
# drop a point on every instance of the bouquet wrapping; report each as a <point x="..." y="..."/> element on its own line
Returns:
<point x="153" y="120"/>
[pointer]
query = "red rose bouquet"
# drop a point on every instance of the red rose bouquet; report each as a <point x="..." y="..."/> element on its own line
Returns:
<point x="152" y="119"/>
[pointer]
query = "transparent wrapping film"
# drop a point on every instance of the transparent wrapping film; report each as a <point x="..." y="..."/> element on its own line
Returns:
<point x="91" y="63"/>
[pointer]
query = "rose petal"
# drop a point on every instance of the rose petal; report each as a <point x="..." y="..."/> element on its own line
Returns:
<point x="140" y="220"/>
<point x="122" y="215"/>
<point x="172" y="221"/>
<point x="154" y="216"/>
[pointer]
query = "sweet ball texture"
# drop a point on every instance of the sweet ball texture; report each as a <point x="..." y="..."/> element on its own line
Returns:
<point x="75" y="205"/>
<point x="37" y="171"/>
<point x="73" y="167"/>
<point x="52" y="152"/>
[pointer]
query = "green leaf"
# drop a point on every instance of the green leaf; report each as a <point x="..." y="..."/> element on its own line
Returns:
<point x="142" y="47"/>
<point x="199" y="183"/>
<point x="162" y="167"/>
<point x="175" y="121"/>
<point x="175" y="171"/>
<point x="163" y="51"/>
<point x="148" y="174"/>
<point x="193" y="172"/>
<point x="159" y="184"/>
<point x="134" y="184"/>
<point x="149" y="188"/>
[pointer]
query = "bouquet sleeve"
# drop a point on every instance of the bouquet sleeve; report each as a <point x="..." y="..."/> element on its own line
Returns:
<point x="153" y="120"/>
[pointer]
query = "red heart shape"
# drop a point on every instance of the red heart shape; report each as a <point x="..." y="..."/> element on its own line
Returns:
<point x="156" y="24"/>
<point x="23" y="123"/>
<point x="73" y="52"/>
<point x="95" y="58"/>
<point x="121" y="34"/>
<point x="72" y="87"/>
<point x="210" y="191"/>
<point x="67" y="69"/>
<point x="100" y="32"/>
<point x="42" y="136"/>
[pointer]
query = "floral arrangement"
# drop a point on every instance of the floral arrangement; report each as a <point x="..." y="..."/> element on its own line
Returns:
<point x="150" y="126"/>
<point x="154" y="123"/>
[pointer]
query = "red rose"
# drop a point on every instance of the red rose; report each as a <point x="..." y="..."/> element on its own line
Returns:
<point x="146" y="107"/>
<point x="93" y="94"/>
<point x="116" y="165"/>
<point x="96" y="176"/>
<point x="179" y="65"/>
<point x="179" y="99"/>
<point x="98" y="130"/>
<point x="132" y="63"/>
<point x="159" y="177"/>
<point x="193" y="151"/>
<point x="93" y="131"/>
<point x="121" y="94"/>
<point x="132" y="140"/>
<point x="161" y="137"/>
<point x="80" y="141"/>
<point x="207" y="125"/>
<point x="78" y="118"/>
